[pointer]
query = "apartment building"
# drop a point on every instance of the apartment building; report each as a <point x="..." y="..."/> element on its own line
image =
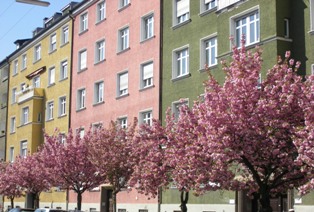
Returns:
<point x="115" y="77"/>
<point x="39" y="92"/>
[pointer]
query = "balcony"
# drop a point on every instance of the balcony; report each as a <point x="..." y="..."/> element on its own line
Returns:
<point x="29" y="93"/>
<point x="225" y="3"/>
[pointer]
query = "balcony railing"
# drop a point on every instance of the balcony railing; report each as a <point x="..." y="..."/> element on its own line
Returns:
<point x="225" y="3"/>
<point x="28" y="93"/>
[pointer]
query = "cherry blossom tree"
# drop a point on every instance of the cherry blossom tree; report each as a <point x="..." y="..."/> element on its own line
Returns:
<point x="8" y="186"/>
<point x="70" y="161"/>
<point x="253" y="125"/>
<point x="110" y="152"/>
<point x="31" y="176"/>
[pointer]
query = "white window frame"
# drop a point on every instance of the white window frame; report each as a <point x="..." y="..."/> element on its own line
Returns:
<point x="147" y="26"/>
<point x="312" y="69"/>
<point x="180" y="61"/>
<point x="25" y="115"/>
<point x="123" y="87"/>
<point x="123" y="121"/>
<point x="82" y="60"/>
<point x="11" y="154"/>
<point x="181" y="11"/>
<point x="208" y="51"/>
<point x="15" y="67"/>
<point x="13" y="124"/>
<point x="37" y="52"/>
<point x="51" y="76"/>
<point x="23" y="147"/>
<point x="311" y="16"/>
<point x="146" y="117"/>
<point x="123" y="39"/>
<point x="14" y="95"/>
<point x="100" y="48"/>
<point x="36" y="81"/>
<point x="62" y="106"/>
<point x="84" y="22"/>
<point x="24" y="61"/>
<point x="208" y="5"/>
<point x="99" y="92"/>
<point x="50" y="109"/>
<point x="124" y="3"/>
<point x="53" y="42"/>
<point x="286" y="27"/>
<point x="147" y="74"/>
<point x="81" y="98"/>
<point x="64" y="70"/>
<point x="101" y="11"/>
<point x="64" y="35"/>
<point x="243" y="19"/>
<point x="175" y="106"/>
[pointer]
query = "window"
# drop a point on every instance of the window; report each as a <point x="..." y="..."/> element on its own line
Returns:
<point x="23" y="149"/>
<point x="5" y="73"/>
<point x="312" y="69"/>
<point x="100" y="51"/>
<point x="11" y="154"/>
<point x="13" y="125"/>
<point x="248" y="26"/>
<point x="51" y="76"/>
<point x="101" y="11"/>
<point x="50" y="106"/>
<point x="37" y="53"/>
<point x="312" y="14"/>
<point x="124" y="3"/>
<point x="147" y="74"/>
<point x="99" y="92"/>
<point x="82" y="60"/>
<point x="84" y="22"/>
<point x="14" y="90"/>
<point x="62" y="106"/>
<point x="25" y="113"/>
<point x="208" y="5"/>
<point x="287" y="28"/>
<point x="15" y="67"/>
<point x="62" y="138"/>
<point x="182" y="10"/>
<point x="123" y="121"/>
<point x="81" y="99"/>
<point x="23" y="87"/>
<point x="142" y="210"/>
<point x="24" y="61"/>
<point x="147" y="27"/>
<point x="123" y="83"/>
<point x="64" y="70"/>
<point x="65" y="35"/>
<point x="4" y="99"/>
<point x="180" y="63"/>
<point x="177" y="105"/>
<point x="53" y="42"/>
<point x="121" y="210"/>
<point x="124" y="39"/>
<point x="36" y="82"/>
<point x="146" y="117"/>
<point x="208" y="52"/>
<point x="81" y="132"/>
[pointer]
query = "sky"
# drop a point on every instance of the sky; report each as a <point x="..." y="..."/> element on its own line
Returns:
<point x="18" y="20"/>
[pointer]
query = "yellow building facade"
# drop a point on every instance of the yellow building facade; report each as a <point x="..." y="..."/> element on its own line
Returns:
<point x="39" y="94"/>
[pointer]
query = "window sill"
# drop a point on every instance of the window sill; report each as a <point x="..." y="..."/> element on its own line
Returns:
<point x="205" y="12"/>
<point x="11" y="133"/>
<point x="23" y="69"/>
<point x="124" y="7"/>
<point x="80" y="109"/>
<point x="124" y="50"/>
<point x="62" y="116"/>
<point x="122" y="96"/>
<point x="311" y="32"/>
<point x="181" y="77"/>
<point x="83" y="32"/>
<point x="100" y="21"/>
<point x="64" y="44"/>
<point x="25" y="124"/>
<point x="202" y="70"/>
<point x="50" y="85"/>
<point x="49" y="120"/>
<point x="178" y="25"/>
<point x="99" y="62"/>
<point x="36" y="61"/>
<point x="98" y="103"/>
<point x="13" y="75"/>
<point x="52" y="51"/>
<point x="4" y="79"/>
<point x="146" y="88"/>
<point x="61" y="80"/>
<point x="148" y="39"/>
<point x="81" y="70"/>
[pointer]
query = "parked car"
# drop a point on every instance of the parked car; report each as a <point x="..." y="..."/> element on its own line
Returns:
<point x="49" y="210"/>
<point x="22" y="210"/>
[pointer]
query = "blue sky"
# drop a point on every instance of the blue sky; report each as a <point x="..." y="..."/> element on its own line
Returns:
<point x="18" y="20"/>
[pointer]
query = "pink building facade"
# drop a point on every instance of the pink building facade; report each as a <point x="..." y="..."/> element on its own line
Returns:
<point x="115" y="76"/>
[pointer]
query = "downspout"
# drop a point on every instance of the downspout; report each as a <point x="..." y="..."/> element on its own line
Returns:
<point x="6" y="115"/>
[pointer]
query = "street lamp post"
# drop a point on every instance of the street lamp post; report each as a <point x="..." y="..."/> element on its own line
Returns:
<point x="34" y="2"/>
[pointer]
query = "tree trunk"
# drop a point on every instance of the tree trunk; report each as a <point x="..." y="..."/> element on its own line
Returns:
<point x="79" y="201"/>
<point x="36" y="200"/>
<point x="114" y="201"/>
<point x="264" y="200"/>
<point x="184" y="201"/>
<point x="12" y="202"/>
